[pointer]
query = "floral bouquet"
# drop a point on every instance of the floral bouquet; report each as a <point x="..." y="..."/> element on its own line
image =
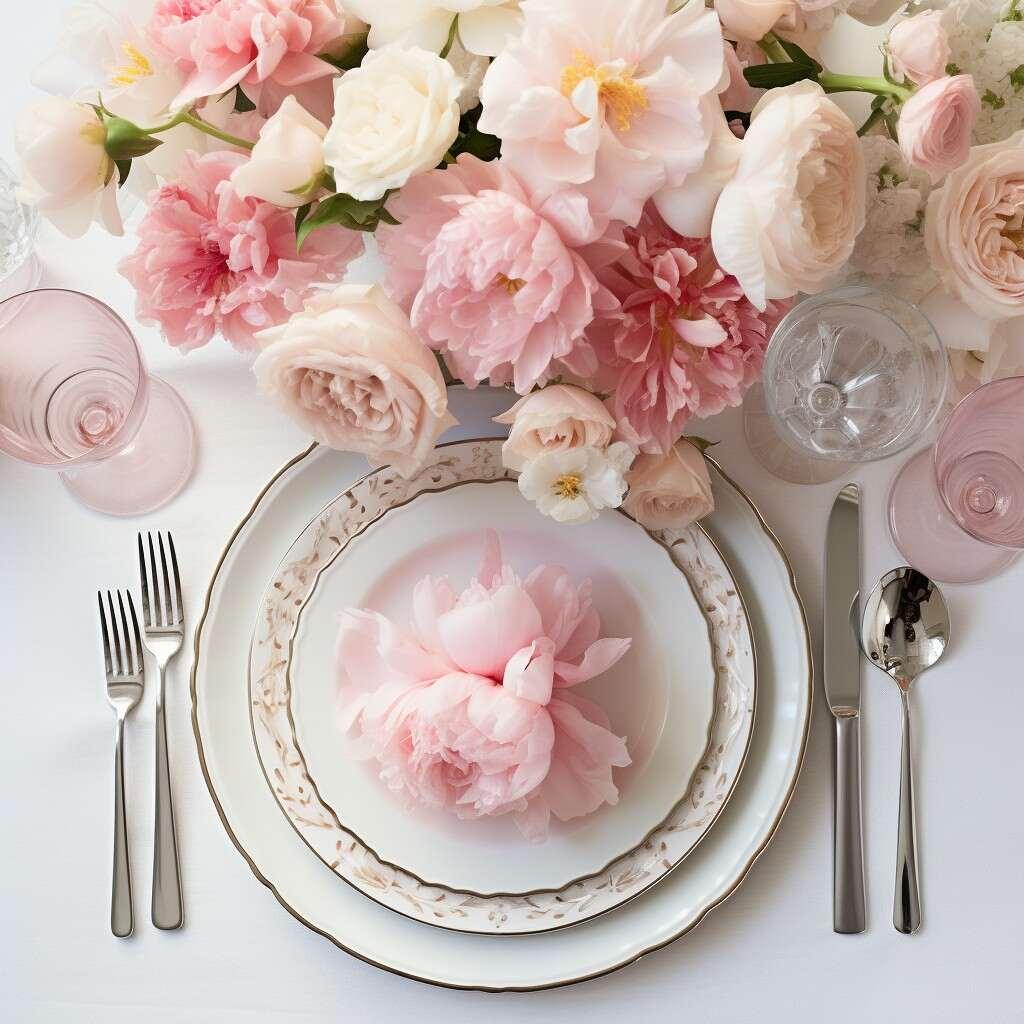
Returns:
<point x="606" y="205"/>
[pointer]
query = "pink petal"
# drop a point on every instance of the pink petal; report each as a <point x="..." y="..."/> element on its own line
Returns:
<point x="529" y="673"/>
<point x="599" y="657"/>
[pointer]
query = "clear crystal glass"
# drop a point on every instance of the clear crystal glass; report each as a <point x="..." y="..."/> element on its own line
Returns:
<point x="852" y="375"/>
<point x="956" y="511"/>
<point x="75" y="396"/>
<point x="19" y="268"/>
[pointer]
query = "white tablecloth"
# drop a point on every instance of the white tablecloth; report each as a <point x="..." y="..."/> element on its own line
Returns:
<point x="767" y="954"/>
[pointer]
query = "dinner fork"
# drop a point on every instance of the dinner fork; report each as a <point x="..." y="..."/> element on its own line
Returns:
<point x="163" y="616"/>
<point x="125" y="673"/>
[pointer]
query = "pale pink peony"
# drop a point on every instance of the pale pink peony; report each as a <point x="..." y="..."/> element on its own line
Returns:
<point x="271" y="48"/>
<point x="492" y="278"/>
<point x="686" y="342"/>
<point x="209" y="261"/>
<point x="471" y="714"/>
<point x="613" y="97"/>
<point x="936" y="124"/>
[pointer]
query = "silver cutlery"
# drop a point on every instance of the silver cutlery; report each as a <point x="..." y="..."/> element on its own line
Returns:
<point x="842" y="689"/>
<point x="125" y="671"/>
<point x="163" y="616"/>
<point x="904" y="632"/>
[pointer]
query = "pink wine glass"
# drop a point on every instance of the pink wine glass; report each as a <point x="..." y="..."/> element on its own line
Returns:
<point x="957" y="511"/>
<point x="75" y="397"/>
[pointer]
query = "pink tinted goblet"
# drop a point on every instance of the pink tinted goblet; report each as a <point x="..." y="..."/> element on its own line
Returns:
<point x="957" y="511"/>
<point x="75" y="397"/>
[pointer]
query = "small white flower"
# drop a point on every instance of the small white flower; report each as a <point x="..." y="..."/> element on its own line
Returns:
<point x="572" y="486"/>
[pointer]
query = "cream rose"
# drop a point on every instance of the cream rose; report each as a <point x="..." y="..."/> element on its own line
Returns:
<point x="394" y="116"/>
<point x="671" y="490"/>
<point x="65" y="170"/>
<point x="751" y="19"/>
<point x="974" y="230"/>
<point x="287" y="161"/>
<point x="557" y="418"/>
<point x="919" y="48"/>
<point x="787" y="219"/>
<point x="350" y="370"/>
<point x="936" y="124"/>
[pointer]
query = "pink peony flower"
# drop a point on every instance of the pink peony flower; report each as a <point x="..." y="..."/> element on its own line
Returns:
<point x="686" y="342"/>
<point x="472" y="714"/>
<point x="209" y="261"/>
<point x="493" y="279"/>
<point x="269" y="47"/>
<point x="936" y="124"/>
<point x="612" y="98"/>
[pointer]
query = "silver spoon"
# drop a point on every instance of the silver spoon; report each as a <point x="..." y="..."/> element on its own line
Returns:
<point x="905" y="630"/>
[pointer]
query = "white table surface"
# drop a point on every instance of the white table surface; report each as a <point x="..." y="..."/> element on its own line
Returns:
<point x="767" y="954"/>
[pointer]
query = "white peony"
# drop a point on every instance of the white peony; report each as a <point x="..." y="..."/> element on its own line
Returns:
<point x="484" y="26"/>
<point x="394" y="116"/>
<point x="65" y="169"/>
<point x="575" y="484"/>
<point x="287" y="161"/>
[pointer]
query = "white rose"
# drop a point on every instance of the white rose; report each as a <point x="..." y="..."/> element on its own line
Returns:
<point x="394" y="116"/>
<point x="555" y="419"/>
<point x="65" y="170"/>
<point x="788" y="218"/>
<point x="574" y="485"/>
<point x="671" y="490"/>
<point x="288" y="159"/>
<point x="351" y="371"/>
<point x="751" y="19"/>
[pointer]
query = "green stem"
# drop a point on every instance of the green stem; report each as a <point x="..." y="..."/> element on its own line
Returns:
<point x="453" y="32"/>
<point x="773" y="49"/>
<point x="187" y="117"/>
<point x="874" y="117"/>
<point x="832" y="82"/>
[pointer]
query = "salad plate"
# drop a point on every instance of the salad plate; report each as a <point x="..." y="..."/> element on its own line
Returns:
<point x="670" y="591"/>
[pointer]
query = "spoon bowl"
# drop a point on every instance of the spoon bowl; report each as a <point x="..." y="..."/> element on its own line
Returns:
<point x="905" y="631"/>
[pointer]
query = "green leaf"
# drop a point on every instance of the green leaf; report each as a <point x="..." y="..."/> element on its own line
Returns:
<point x="242" y="102"/>
<point x="354" y="214"/>
<point x="953" y="68"/>
<point x="471" y="140"/>
<point x="770" y="76"/>
<point x="351" y="58"/>
<point x="993" y="100"/>
<point x="301" y="214"/>
<point x="1017" y="78"/>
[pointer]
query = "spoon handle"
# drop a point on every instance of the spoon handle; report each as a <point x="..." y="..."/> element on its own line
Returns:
<point x="906" y="910"/>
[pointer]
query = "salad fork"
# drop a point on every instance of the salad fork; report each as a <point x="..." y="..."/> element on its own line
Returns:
<point x="125" y="672"/>
<point x="163" y="615"/>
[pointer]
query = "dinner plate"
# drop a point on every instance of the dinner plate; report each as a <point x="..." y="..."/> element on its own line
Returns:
<point x="369" y="547"/>
<point x="310" y="891"/>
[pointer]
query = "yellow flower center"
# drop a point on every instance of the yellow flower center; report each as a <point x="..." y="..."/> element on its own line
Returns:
<point x="137" y="66"/>
<point x="622" y="96"/>
<point x="510" y="284"/>
<point x="569" y="485"/>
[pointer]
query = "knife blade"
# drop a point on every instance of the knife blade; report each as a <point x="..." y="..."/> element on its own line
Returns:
<point x="842" y="690"/>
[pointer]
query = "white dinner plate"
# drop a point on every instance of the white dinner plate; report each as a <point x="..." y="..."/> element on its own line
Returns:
<point x="368" y="549"/>
<point x="310" y="891"/>
<point x="665" y="590"/>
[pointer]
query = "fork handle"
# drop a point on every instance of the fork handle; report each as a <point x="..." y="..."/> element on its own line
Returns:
<point x="121" y="919"/>
<point x="167" y="905"/>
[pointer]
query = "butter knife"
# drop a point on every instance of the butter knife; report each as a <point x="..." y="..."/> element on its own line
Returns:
<point x="842" y="689"/>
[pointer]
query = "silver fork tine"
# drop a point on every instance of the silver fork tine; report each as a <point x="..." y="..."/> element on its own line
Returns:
<point x="119" y="664"/>
<point x="156" y="623"/>
<point x="177" y="581"/>
<point x="138" y="635"/>
<point x="106" y="637"/>
<point x="146" y="614"/>
<point x="129" y="657"/>
<point x="168" y="608"/>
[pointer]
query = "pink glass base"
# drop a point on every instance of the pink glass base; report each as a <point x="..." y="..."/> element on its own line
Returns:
<point x="148" y="472"/>
<point x="775" y="455"/>
<point x="928" y="536"/>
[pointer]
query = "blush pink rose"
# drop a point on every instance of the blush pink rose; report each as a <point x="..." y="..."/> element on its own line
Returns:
<point x="271" y="48"/>
<point x="209" y="261"/>
<point x="936" y="124"/>
<point x="470" y="712"/>
<point x="919" y="48"/>
<point x="671" y="490"/>
<point x="492" y="278"/>
<point x="686" y="340"/>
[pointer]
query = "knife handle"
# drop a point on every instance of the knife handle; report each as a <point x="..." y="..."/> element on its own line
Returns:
<point x="848" y="914"/>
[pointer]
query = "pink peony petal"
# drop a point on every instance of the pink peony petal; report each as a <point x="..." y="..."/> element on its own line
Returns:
<point x="529" y="673"/>
<point x="598" y="658"/>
